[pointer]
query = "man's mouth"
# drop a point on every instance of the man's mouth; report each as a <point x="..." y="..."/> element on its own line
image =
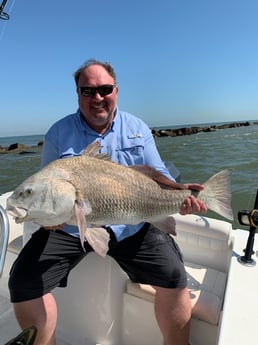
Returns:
<point x="100" y="105"/>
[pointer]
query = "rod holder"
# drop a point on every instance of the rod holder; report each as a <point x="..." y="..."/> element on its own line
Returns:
<point x="249" y="218"/>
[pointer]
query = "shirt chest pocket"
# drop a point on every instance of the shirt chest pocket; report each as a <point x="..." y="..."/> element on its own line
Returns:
<point x="131" y="151"/>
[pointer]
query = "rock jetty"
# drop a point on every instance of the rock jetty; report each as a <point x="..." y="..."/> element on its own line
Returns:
<point x="197" y="129"/>
<point x="20" y="148"/>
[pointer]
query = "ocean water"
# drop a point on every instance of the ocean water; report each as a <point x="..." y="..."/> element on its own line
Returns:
<point x="197" y="156"/>
<point x="15" y="167"/>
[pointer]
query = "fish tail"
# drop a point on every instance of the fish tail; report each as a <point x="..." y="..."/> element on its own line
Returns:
<point x="217" y="194"/>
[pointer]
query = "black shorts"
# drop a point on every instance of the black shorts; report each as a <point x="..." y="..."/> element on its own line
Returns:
<point x="148" y="257"/>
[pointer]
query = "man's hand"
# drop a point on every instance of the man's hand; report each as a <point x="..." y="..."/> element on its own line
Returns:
<point x="192" y="204"/>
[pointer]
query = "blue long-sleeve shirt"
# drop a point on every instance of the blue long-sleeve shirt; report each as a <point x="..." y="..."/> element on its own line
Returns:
<point x="128" y="141"/>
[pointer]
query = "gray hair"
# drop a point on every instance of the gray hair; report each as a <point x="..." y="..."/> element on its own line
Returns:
<point x="106" y="65"/>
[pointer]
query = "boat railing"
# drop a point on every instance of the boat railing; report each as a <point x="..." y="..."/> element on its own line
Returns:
<point x="4" y="236"/>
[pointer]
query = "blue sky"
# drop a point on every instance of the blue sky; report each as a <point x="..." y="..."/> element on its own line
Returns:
<point x="178" y="61"/>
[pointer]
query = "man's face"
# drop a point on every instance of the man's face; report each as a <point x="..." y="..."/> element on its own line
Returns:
<point x="97" y="110"/>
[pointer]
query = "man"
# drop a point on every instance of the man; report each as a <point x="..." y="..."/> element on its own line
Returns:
<point x="128" y="141"/>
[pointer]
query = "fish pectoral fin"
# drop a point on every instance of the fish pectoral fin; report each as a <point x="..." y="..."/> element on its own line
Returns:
<point x="84" y="205"/>
<point x="81" y="211"/>
<point x="167" y="225"/>
<point x="98" y="238"/>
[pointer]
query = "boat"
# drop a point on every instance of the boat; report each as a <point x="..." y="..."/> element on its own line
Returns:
<point x="101" y="306"/>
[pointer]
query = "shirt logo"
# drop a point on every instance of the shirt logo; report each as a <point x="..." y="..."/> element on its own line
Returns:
<point x="135" y="135"/>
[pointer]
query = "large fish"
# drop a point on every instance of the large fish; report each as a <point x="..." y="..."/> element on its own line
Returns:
<point x="91" y="189"/>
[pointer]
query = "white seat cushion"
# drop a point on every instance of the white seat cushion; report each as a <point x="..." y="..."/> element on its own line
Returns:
<point x="206" y="288"/>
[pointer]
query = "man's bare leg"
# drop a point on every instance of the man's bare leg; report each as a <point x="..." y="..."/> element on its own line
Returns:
<point x="173" y="314"/>
<point x="42" y="313"/>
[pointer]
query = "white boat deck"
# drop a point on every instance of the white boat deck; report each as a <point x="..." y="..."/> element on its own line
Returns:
<point x="239" y="324"/>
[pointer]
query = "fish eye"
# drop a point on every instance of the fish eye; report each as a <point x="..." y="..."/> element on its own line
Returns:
<point x="28" y="191"/>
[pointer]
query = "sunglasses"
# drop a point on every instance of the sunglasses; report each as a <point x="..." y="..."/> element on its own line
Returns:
<point x="103" y="90"/>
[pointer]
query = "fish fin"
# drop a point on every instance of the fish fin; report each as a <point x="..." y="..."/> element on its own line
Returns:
<point x="157" y="176"/>
<point x="98" y="238"/>
<point x="93" y="149"/>
<point x="84" y="205"/>
<point x="167" y="225"/>
<point x="217" y="194"/>
<point x="81" y="211"/>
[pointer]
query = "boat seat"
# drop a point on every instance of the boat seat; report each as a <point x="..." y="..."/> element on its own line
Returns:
<point x="15" y="245"/>
<point x="21" y="235"/>
<point x="206" y="245"/>
<point x="206" y="287"/>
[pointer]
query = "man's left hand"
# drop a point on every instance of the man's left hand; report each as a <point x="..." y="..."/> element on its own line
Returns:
<point x="192" y="204"/>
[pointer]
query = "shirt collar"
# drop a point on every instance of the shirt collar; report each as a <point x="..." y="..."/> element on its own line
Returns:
<point x="86" y="128"/>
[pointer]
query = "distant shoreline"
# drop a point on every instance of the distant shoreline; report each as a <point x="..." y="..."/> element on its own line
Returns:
<point x="173" y="131"/>
<point x="169" y="132"/>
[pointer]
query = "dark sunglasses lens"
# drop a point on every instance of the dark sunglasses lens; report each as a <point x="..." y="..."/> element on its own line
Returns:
<point x="105" y="90"/>
<point x="88" y="91"/>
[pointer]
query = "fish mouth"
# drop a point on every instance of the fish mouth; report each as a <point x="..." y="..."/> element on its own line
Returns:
<point x="18" y="213"/>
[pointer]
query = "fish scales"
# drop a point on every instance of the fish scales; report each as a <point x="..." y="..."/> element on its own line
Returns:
<point x="117" y="193"/>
